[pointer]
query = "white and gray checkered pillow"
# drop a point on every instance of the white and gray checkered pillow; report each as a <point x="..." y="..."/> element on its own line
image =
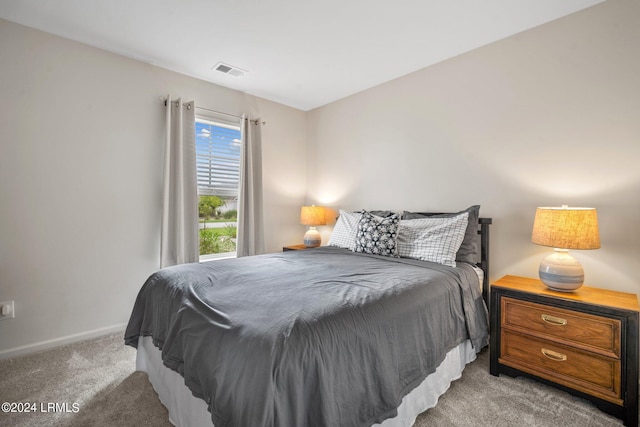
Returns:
<point x="344" y="232"/>
<point x="432" y="239"/>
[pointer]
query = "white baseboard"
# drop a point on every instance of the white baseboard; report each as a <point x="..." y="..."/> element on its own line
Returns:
<point x="57" y="342"/>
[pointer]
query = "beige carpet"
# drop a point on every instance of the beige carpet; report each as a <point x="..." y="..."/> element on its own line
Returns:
<point x="99" y="375"/>
<point x="94" y="384"/>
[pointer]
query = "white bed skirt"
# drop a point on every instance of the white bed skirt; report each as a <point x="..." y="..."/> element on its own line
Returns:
<point x="185" y="410"/>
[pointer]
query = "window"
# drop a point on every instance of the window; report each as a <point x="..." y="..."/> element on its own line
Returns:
<point x="218" y="174"/>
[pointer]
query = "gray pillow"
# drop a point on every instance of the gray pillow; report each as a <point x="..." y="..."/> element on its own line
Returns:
<point x="469" y="251"/>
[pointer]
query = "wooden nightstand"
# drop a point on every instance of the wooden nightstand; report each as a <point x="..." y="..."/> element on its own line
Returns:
<point x="584" y="342"/>
<point x="294" y="248"/>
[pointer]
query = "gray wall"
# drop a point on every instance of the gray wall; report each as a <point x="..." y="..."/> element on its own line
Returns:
<point x="547" y="117"/>
<point x="81" y="146"/>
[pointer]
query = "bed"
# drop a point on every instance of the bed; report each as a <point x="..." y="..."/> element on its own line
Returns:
<point x="349" y="334"/>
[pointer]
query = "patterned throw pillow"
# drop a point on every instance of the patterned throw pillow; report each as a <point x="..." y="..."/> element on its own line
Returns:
<point x="432" y="239"/>
<point x="377" y="235"/>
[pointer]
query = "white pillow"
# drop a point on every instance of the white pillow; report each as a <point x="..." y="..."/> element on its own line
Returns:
<point x="344" y="232"/>
<point x="432" y="239"/>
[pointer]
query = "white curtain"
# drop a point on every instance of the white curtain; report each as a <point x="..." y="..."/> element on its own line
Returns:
<point x="179" y="237"/>
<point x="250" y="238"/>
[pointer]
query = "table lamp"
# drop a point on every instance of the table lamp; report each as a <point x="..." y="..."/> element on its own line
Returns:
<point x="312" y="216"/>
<point x="564" y="228"/>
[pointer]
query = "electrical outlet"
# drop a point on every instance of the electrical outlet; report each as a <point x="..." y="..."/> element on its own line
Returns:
<point x="7" y="310"/>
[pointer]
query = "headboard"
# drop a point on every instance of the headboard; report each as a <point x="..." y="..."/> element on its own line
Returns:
<point x="483" y="231"/>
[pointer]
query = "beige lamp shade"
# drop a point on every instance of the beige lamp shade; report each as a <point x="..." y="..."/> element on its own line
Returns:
<point x="312" y="215"/>
<point x="564" y="228"/>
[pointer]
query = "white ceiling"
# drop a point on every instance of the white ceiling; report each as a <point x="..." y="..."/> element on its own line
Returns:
<point x="300" y="53"/>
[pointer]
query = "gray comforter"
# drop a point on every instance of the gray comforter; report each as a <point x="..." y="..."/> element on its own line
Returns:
<point x="321" y="337"/>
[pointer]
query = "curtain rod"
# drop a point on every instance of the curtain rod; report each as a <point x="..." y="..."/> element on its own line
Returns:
<point x="255" y="122"/>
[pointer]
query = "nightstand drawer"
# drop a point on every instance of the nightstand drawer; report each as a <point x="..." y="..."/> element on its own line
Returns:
<point x="586" y="331"/>
<point x="588" y="372"/>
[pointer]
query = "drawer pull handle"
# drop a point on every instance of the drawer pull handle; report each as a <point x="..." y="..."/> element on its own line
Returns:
<point x="554" y="320"/>
<point x="554" y="355"/>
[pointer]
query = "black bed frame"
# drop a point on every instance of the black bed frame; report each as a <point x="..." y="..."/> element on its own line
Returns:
<point x="483" y="231"/>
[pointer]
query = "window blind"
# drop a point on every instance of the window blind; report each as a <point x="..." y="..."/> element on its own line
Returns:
<point x="217" y="159"/>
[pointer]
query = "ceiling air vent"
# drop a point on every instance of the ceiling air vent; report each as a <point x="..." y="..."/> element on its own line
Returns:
<point x="229" y="69"/>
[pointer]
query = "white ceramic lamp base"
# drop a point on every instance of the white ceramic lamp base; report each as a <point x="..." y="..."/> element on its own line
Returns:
<point x="561" y="272"/>
<point x="312" y="239"/>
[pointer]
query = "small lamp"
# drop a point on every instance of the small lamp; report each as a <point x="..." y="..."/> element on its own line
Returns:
<point x="564" y="228"/>
<point x="312" y="216"/>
